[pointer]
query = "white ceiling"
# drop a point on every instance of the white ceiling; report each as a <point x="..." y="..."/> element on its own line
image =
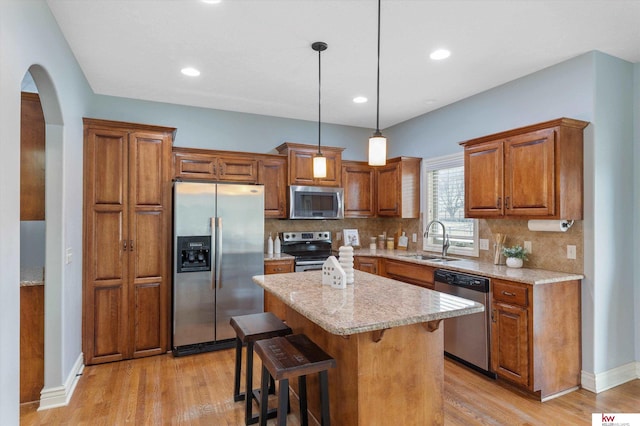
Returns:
<point x="255" y="55"/>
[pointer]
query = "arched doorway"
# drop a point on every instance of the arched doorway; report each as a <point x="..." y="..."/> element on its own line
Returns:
<point x="54" y="228"/>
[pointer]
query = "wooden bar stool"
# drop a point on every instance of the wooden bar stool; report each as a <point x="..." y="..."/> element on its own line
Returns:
<point x="288" y="357"/>
<point x="249" y="329"/>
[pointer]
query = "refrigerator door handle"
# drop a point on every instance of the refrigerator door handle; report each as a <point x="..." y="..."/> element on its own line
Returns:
<point x="214" y="253"/>
<point x="218" y="251"/>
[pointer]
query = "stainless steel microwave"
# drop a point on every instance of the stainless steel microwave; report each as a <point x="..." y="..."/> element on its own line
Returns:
<point x="315" y="202"/>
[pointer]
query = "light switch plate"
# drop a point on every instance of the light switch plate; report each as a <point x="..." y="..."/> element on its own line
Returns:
<point x="68" y="255"/>
<point x="484" y="244"/>
<point x="414" y="238"/>
<point x="527" y="247"/>
<point x="338" y="236"/>
<point x="571" y="252"/>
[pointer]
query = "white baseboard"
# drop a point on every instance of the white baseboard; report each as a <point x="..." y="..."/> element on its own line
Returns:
<point x="60" y="396"/>
<point x="600" y="382"/>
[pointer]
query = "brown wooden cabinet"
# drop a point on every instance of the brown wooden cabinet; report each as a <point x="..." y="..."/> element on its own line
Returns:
<point x="409" y="272"/>
<point x="127" y="217"/>
<point x="358" y="181"/>
<point x="31" y="342"/>
<point x="398" y="188"/>
<point x="368" y="264"/>
<point x="387" y="191"/>
<point x="32" y="158"/>
<point x="200" y="164"/>
<point x="272" y="303"/>
<point x="530" y="172"/>
<point x="272" y="173"/>
<point x="535" y="335"/>
<point x="300" y="159"/>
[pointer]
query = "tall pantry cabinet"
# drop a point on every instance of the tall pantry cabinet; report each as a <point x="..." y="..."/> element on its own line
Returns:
<point x="127" y="214"/>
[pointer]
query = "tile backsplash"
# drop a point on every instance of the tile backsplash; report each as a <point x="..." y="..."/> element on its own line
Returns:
<point x="549" y="249"/>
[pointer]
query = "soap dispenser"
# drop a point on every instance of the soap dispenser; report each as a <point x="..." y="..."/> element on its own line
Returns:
<point x="276" y="244"/>
<point x="270" y="244"/>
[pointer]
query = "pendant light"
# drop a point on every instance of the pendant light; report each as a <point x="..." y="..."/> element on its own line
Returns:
<point x="377" y="142"/>
<point x="319" y="161"/>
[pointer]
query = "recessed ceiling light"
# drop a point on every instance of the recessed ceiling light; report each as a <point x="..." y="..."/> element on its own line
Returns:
<point x="212" y="1"/>
<point x="360" y="99"/>
<point x="191" y="72"/>
<point x="440" y="54"/>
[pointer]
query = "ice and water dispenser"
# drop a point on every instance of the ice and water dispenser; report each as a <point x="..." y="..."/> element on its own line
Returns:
<point x="194" y="254"/>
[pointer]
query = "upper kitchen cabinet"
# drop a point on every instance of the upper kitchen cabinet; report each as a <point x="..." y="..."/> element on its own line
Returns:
<point x="301" y="164"/>
<point x="358" y="181"/>
<point x="202" y="164"/>
<point x="126" y="231"/>
<point x="32" y="158"/>
<point x="272" y="173"/>
<point x="398" y="188"/>
<point x="526" y="173"/>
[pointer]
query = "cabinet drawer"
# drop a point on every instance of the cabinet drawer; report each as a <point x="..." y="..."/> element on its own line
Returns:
<point x="408" y="272"/>
<point x="512" y="294"/>
<point x="278" y="267"/>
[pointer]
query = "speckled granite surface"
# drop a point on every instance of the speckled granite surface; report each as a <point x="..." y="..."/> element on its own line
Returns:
<point x="523" y="275"/>
<point x="31" y="276"/>
<point x="371" y="303"/>
<point x="279" y="256"/>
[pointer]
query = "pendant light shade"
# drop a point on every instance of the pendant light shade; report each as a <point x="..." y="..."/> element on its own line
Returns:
<point x="319" y="161"/>
<point x="377" y="142"/>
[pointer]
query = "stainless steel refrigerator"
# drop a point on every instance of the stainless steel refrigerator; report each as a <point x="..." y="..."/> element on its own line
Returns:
<point x="218" y="232"/>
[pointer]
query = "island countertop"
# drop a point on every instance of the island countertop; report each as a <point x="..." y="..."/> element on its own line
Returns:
<point x="371" y="303"/>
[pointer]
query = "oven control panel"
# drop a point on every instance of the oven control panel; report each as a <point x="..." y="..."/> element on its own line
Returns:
<point x="302" y="236"/>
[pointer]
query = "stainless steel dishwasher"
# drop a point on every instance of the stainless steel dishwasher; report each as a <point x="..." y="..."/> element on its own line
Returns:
<point x="467" y="338"/>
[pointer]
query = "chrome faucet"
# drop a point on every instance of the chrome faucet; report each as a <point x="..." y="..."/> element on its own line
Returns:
<point x="445" y="236"/>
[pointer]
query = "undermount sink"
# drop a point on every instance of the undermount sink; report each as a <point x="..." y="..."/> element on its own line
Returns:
<point x="429" y="257"/>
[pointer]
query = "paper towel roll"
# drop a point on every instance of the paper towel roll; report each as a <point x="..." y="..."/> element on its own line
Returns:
<point x="549" y="225"/>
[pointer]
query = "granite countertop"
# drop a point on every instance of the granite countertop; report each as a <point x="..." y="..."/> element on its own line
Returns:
<point x="371" y="303"/>
<point x="31" y="276"/>
<point x="278" y="256"/>
<point x="485" y="269"/>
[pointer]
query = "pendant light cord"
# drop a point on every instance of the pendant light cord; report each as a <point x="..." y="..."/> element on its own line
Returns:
<point x="378" y="82"/>
<point x="319" y="96"/>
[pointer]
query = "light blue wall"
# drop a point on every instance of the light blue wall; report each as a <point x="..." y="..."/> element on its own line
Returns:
<point x="636" y="204"/>
<point x="31" y="40"/>
<point x="613" y="257"/>
<point x="227" y="130"/>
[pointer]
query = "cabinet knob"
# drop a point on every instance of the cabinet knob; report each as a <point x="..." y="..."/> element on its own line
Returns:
<point x="506" y="203"/>
<point x="493" y="315"/>
<point x="124" y="245"/>
<point x="131" y="245"/>
<point x="499" y="202"/>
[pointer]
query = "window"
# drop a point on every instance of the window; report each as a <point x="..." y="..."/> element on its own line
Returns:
<point x="444" y="186"/>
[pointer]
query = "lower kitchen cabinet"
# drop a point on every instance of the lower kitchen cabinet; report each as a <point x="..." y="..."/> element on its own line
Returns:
<point x="412" y="273"/>
<point x="272" y="303"/>
<point x="535" y="335"/>
<point x="368" y="264"/>
<point x="31" y="342"/>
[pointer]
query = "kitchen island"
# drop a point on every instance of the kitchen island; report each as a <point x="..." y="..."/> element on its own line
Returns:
<point x="386" y="338"/>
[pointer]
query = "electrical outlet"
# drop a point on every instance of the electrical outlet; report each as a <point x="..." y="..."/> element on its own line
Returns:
<point x="414" y="238"/>
<point x="68" y="255"/>
<point x="484" y="244"/>
<point x="527" y="247"/>
<point x="571" y="252"/>
<point x="338" y="236"/>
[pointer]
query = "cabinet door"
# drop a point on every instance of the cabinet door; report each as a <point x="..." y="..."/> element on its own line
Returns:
<point x="530" y="174"/>
<point x="194" y="166"/>
<point x="358" y="181"/>
<point x="105" y="264"/>
<point x="408" y="272"/>
<point x="483" y="180"/>
<point x="148" y="242"/>
<point x="301" y="168"/>
<point x="32" y="156"/>
<point x="510" y="342"/>
<point x="272" y="173"/>
<point x="237" y="169"/>
<point x="388" y="190"/>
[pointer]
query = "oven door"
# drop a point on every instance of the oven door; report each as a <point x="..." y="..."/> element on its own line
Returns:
<point x="308" y="265"/>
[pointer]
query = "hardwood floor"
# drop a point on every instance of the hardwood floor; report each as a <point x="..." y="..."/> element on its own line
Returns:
<point x="196" y="390"/>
